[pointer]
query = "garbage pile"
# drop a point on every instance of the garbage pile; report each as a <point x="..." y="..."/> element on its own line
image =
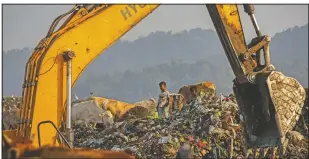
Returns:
<point x="147" y="137"/>
<point x="212" y="128"/>
<point x="10" y="111"/>
<point x="11" y="102"/>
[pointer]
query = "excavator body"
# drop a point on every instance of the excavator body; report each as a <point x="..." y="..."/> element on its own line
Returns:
<point x="269" y="102"/>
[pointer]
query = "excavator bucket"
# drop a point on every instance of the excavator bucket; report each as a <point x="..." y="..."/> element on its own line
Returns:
<point x="270" y="108"/>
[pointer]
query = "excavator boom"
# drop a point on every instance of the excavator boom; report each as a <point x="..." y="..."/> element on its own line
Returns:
<point x="85" y="35"/>
<point x="61" y="57"/>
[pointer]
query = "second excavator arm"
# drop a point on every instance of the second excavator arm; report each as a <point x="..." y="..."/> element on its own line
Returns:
<point x="60" y="58"/>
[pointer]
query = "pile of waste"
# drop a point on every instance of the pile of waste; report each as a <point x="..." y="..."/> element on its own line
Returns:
<point x="10" y="111"/>
<point x="148" y="137"/>
<point x="212" y="128"/>
<point x="11" y="102"/>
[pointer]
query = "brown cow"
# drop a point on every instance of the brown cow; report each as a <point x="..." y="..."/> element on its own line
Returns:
<point x="206" y="90"/>
<point x="175" y="102"/>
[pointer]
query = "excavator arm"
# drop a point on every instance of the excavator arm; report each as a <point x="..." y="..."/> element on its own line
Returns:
<point x="60" y="58"/>
<point x="86" y="34"/>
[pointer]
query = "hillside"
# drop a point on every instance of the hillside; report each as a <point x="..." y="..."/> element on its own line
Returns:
<point x="130" y="71"/>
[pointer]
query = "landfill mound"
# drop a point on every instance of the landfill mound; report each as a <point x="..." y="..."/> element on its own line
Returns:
<point x="211" y="129"/>
<point x="10" y="112"/>
<point x="147" y="138"/>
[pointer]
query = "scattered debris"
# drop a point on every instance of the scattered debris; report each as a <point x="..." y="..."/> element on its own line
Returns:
<point x="211" y="129"/>
<point x="11" y="110"/>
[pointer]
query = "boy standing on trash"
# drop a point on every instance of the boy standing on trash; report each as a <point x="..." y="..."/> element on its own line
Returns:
<point x="162" y="106"/>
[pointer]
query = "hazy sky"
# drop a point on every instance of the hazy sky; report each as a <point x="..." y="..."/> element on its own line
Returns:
<point x="25" y="25"/>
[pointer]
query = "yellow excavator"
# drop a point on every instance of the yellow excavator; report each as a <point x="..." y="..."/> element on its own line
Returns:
<point x="269" y="102"/>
